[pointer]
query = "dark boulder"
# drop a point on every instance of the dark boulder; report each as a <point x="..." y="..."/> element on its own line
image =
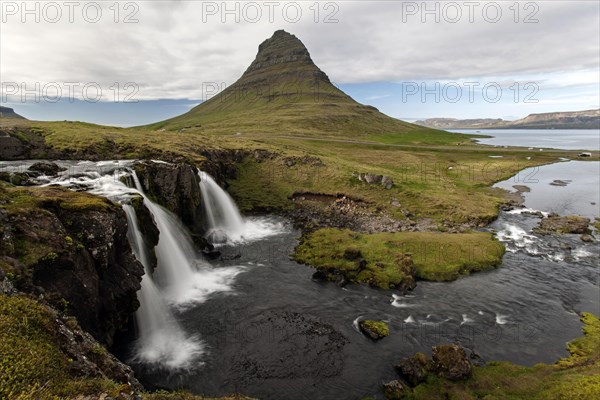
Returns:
<point x="46" y="168"/>
<point x="450" y="361"/>
<point x="414" y="369"/>
<point x="175" y="187"/>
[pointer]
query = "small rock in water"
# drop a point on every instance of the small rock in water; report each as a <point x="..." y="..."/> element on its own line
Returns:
<point x="558" y="182"/>
<point x="374" y="329"/>
<point x="587" y="238"/>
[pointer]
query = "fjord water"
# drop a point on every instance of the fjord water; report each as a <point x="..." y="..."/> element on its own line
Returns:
<point x="569" y="139"/>
<point x="577" y="193"/>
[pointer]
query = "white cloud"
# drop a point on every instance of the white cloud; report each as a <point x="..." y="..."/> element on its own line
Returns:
<point x="171" y="52"/>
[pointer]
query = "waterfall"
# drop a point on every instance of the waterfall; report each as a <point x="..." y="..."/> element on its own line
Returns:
<point x="161" y="340"/>
<point x="225" y="224"/>
<point x="182" y="273"/>
<point x="182" y="276"/>
<point x="224" y="219"/>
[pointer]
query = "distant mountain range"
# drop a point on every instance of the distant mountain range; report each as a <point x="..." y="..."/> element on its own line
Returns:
<point x="588" y="119"/>
<point x="6" y="112"/>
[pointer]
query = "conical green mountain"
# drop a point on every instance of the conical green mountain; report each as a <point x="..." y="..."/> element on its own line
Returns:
<point x="284" y="92"/>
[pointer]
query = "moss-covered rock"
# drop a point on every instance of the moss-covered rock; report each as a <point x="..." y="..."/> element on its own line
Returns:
<point x="450" y="361"/>
<point x="374" y="329"/>
<point x="558" y="224"/>
<point x="414" y="369"/>
<point x="395" y="390"/>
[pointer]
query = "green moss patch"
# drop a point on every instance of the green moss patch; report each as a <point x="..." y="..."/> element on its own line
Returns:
<point x="20" y="198"/>
<point x="375" y="329"/>
<point x="436" y="256"/>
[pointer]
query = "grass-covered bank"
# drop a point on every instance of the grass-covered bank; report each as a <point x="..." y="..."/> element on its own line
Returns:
<point x="576" y="377"/>
<point x="32" y="365"/>
<point x="436" y="256"/>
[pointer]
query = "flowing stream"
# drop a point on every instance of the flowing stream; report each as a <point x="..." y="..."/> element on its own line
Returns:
<point x="272" y="332"/>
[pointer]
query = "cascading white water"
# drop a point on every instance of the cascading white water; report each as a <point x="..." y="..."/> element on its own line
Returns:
<point x="184" y="275"/>
<point x="160" y="338"/>
<point x="225" y="222"/>
<point x="221" y="211"/>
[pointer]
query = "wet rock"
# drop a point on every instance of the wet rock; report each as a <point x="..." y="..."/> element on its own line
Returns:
<point x="450" y="361"/>
<point x="374" y="330"/>
<point x="559" y="182"/>
<point x="522" y="188"/>
<point x="558" y="224"/>
<point x="587" y="238"/>
<point x="395" y="390"/>
<point x="175" y="187"/>
<point x="414" y="369"/>
<point x="47" y="168"/>
<point x="284" y="346"/>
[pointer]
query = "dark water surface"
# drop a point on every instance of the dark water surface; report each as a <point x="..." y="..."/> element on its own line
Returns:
<point x="525" y="311"/>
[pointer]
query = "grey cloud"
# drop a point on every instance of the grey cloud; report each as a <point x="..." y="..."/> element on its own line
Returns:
<point x="171" y="52"/>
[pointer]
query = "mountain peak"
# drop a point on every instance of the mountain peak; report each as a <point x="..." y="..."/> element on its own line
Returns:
<point x="281" y="48"/>
<point x="284" y="91"/>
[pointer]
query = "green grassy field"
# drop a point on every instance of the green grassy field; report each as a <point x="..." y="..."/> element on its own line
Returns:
<point x="436" y="256"/>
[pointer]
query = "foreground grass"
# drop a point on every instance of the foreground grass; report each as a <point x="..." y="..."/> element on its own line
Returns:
<point x="574" y="378"/>
<point x="436" y="256"/>
<point x="32" y="366"/>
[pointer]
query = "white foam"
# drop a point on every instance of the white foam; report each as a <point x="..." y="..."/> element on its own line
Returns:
<point x="501" y="319"/>
<point x="466" y="319"/>
<point x="409" y="320"/>
<point x="397" y="302"/>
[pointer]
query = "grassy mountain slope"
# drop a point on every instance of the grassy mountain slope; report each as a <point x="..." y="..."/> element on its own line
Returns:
<point x="284" y="92"/>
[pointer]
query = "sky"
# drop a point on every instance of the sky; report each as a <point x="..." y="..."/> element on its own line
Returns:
<point x="129" y="63"/>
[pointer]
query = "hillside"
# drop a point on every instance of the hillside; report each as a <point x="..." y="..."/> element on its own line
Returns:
<point x="587" y="119"/>
<point x="6" y="112"/>
<point x="284" y="92"/>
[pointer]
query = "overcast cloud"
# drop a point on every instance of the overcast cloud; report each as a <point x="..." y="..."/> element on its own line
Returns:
<point x="171" y="51"/>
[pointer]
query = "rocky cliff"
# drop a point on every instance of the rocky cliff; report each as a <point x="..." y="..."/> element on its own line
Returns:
<point x="71" y="250"/>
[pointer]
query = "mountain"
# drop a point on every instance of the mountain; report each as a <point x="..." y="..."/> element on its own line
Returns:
<point x="283" y="91"/>
<point x="6" y="112"/>
<point x="588" y="119"/>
